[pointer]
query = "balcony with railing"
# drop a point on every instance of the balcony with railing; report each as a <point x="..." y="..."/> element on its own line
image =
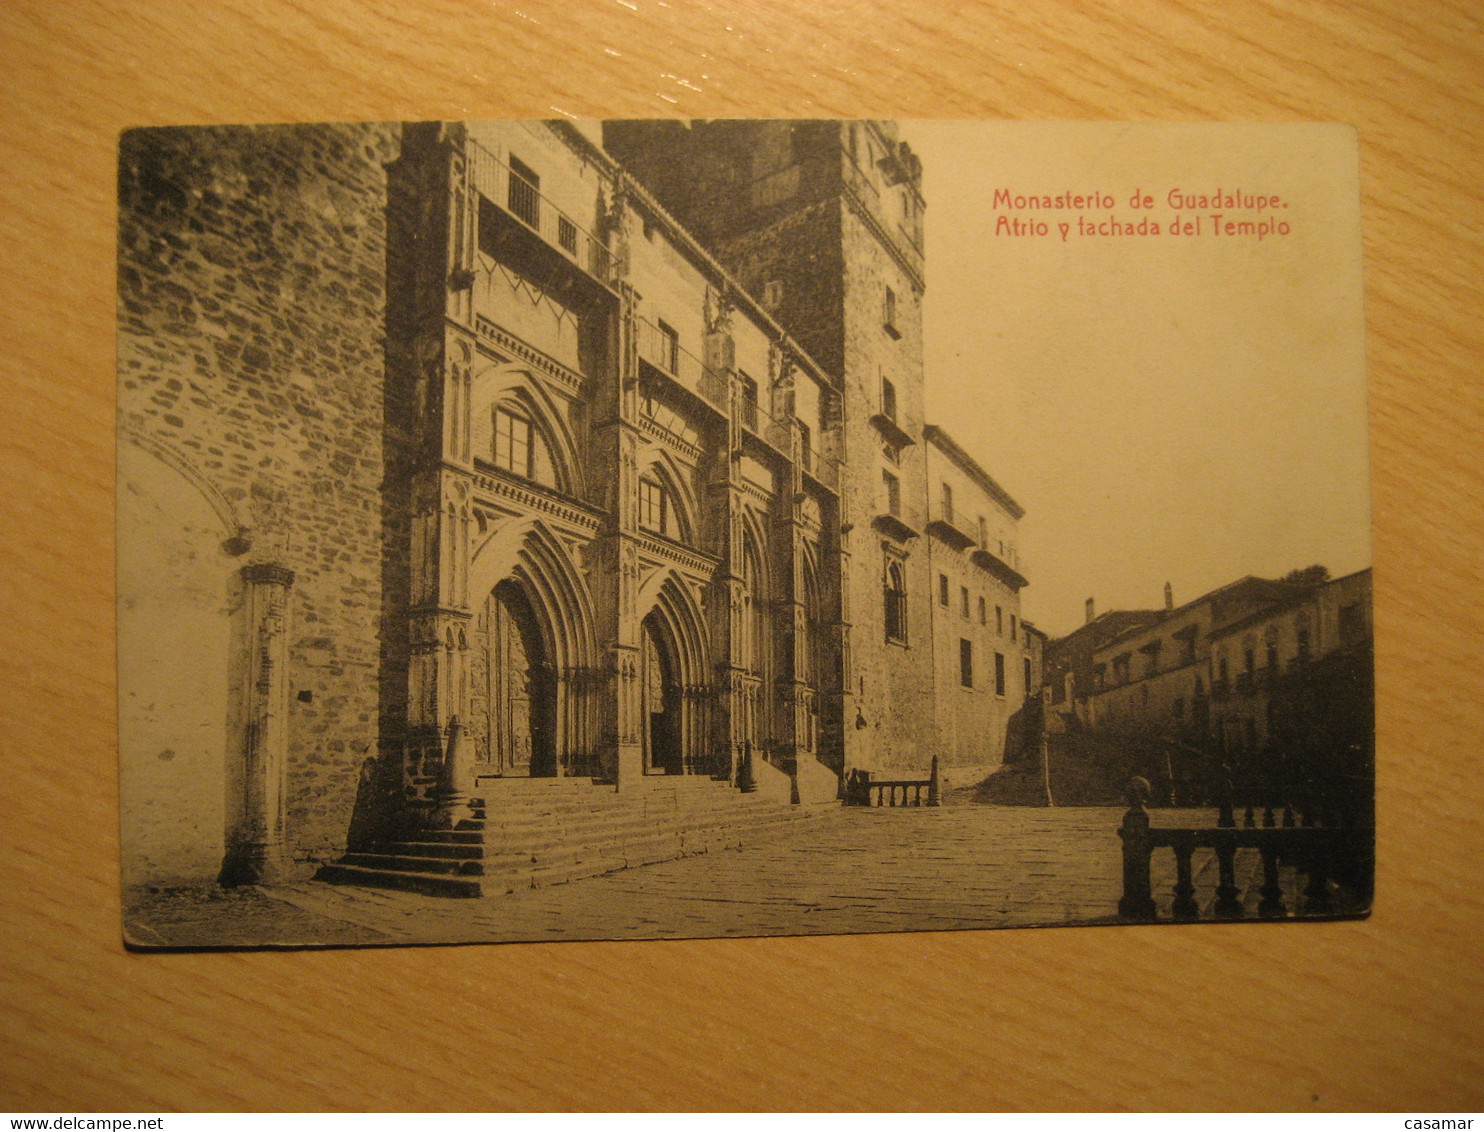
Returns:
<point x="946" y="527"/>
<point x="516" y="196"/>
<point x="660" y="348"/>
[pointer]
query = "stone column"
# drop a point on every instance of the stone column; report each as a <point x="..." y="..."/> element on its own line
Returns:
<point x="256" y="785"/>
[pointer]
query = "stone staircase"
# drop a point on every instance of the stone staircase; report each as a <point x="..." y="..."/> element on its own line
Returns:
<point x="533" y="832"/>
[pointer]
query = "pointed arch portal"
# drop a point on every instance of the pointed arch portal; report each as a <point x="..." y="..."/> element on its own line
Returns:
<point x="662" y="696"/>
<point x="513" y="699"/>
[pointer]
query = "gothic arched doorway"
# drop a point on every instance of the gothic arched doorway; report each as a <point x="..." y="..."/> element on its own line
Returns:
<point x="513" y="698"/>
<point x="661" y="707"/>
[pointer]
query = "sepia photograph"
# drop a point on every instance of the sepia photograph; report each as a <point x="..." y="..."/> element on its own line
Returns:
<point x="542" y="530"/>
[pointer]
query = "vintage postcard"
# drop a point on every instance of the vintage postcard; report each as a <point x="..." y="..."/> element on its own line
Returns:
<point x="553" y="530"/>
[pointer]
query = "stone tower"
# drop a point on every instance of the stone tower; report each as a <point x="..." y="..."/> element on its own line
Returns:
<point x="821" y="221"/>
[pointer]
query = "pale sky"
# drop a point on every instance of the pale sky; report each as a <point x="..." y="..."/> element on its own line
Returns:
<point x="1185" y="408"/>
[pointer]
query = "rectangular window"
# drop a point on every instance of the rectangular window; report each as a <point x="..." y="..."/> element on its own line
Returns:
<point x="512" y="443"/>
<point x="999" y="621"/>
<point x="1014" y="632"/>
<point x="963" y="593"/>
<point x="525" y="189"/>
<point x="893" y="493"/>
<point x="806" y="454"/>
<point x="999" y="674"/>
<point x="943" y="590"/>
<point x="888" y="400"/>
<point x="749" y="401"/>
<point x="889" y="313"/>
<point x="947" y="503"/>
<point x="966" y="663"/>
<point x="982" y="618"/>
<point x="651" y="506"/>
<point x="983" y="533"/>
<point x="669" y="347"/>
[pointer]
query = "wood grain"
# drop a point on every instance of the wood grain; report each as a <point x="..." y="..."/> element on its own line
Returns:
<point x="1387" y="1013"/>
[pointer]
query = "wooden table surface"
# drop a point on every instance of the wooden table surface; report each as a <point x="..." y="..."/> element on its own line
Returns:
<point x="1387" y="1013"/>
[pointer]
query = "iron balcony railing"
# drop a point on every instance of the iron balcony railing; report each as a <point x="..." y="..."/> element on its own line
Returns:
<point x="661" y="349"/>
<point x="502" y="186"/>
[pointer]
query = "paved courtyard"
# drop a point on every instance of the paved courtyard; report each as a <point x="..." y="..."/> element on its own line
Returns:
<point x="846" y="870"/>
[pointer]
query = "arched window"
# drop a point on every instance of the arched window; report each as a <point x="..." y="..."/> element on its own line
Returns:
<point x="657" y="510"/>
<point x="512" y="441"/>
<point x="895" y="599"/>
<point x="517" y="445"/>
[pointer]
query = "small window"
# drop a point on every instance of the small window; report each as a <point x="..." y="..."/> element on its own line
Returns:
<point x="999" y="621"/>
<point x="806" y="454"/>
<point x="943" y="590"/>
<point x="512" y="442"/>
<point x="999" y="674"/>
<point x="983" y="533"/>
<point x="889" y="313"/>
<point x="525" y="192"/>
<point x="966" y="663"/>
<point x="893" y="493"/>
<point x="983" y="619"/>
<point x="1013" y="630"/>
<point x="888" y="400"/>
<point x="963" y="593"/>
<point x="772" y="294"/>
<point x="947" y="503"/>
<point x="651" y="505"/>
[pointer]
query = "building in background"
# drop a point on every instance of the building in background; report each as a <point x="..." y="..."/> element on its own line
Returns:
<point x="978" y="639"/>
<point x="1269" y="679"/>
<point x="1068" y="661"/>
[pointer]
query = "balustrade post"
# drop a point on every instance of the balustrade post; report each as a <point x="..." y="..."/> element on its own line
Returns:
<point x="1228" y="897"/>
<point x="1185" y="907"/>
<point x="1137" y="903"/>
<point x="1271" y="907"/>
<point x="935" y="786"/>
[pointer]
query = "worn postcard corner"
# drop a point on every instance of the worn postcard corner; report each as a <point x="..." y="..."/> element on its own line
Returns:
<point x="540" y="530"/>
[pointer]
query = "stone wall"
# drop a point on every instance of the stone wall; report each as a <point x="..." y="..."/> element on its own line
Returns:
<point x="251" y="313"/>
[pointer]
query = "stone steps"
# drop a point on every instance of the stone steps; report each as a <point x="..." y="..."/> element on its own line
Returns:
<point x="521" y="836"/>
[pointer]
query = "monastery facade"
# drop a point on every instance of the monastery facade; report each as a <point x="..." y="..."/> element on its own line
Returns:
<point x="454" y="454"/>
